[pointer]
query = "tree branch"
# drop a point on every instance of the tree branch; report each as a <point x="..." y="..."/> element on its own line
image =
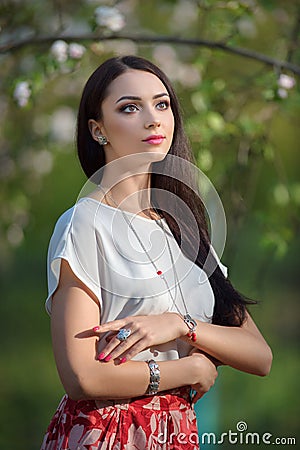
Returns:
<point x="246" y="53"/>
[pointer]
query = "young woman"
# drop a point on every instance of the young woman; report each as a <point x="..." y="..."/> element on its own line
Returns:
<point x="133" y="329"/>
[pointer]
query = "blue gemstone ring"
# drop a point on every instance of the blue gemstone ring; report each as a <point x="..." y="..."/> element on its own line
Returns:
<point x="123" y="334"/>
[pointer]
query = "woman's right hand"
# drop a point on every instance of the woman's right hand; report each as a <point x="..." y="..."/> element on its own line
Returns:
<point x="204" y="373"/>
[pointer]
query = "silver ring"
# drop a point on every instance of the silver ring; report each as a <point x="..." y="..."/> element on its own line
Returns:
<point x="123" y="334"/>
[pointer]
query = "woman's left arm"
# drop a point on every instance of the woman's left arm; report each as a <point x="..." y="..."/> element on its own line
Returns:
<point x="243" y="348"/>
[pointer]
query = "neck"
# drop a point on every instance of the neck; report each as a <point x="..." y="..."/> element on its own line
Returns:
<point x="130" y="191"/>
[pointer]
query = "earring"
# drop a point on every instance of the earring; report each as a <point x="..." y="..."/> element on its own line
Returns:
<point x="102" y="139"/>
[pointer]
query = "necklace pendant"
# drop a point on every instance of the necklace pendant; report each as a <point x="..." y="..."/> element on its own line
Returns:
<point x="159" y="273"/>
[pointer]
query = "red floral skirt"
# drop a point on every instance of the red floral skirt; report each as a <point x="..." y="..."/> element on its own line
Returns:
<point x="159" y="422"/>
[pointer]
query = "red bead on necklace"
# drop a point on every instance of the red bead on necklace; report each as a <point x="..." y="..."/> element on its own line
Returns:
<point x="188" y="320"/>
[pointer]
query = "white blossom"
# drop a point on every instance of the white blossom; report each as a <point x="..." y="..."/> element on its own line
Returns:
<point x="286" y="82"/>
<point x="63" y="124"/>
<point x="247" y="28"/>
<point x="282" y="93"/>
<point x="76" y="51"/>
<point x="22" y="93"/>
<point x="15" y="234"/>
<point x="42" y="162"/>
<point x="110" y="17"/>
<point x="188" y="75"/>
<point x="184" y="16"/>
<point x="59" y="50"/>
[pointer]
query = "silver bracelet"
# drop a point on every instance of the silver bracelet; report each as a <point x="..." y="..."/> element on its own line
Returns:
<point x="154" y="377"/>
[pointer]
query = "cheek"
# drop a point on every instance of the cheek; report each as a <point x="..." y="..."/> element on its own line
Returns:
<point x="127" y="121"/>
<point x="121" y="133"/>
<point x="171" y="123"/>
<point x="116" y="127"/>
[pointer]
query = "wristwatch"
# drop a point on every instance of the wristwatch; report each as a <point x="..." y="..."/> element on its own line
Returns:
<point x="154" y="377"/>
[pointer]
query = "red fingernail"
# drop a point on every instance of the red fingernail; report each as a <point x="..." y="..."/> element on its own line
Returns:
<point x="101" y="356"/>
<point x="97" y="328"/>
<point x="108" y="358"/>
<point x="122" y="360"/>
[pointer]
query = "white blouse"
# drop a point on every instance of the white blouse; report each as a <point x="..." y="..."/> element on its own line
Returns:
<point x="104" y="253"/>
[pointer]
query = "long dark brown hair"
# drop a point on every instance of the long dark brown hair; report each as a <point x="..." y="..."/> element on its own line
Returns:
<point x="230" y="305"/>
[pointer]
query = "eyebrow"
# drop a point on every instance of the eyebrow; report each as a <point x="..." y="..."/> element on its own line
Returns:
<point x="133" y="97"/>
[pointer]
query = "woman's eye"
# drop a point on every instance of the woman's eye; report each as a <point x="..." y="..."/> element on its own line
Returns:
<point x="163" y="105"/>
<point x="129" y="108"/>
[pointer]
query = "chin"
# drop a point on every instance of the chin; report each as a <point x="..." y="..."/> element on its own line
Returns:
<point x="155" y="156"/>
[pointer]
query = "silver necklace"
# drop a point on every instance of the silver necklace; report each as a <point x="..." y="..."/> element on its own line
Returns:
<point x="188" y="320"/>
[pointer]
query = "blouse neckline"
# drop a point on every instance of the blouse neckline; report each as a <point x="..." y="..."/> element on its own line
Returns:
<point x="123" y="210"/>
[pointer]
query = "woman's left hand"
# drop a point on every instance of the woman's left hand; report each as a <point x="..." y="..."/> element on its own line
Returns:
<point x="198" y="387"/>
<point x="145" y="331"/>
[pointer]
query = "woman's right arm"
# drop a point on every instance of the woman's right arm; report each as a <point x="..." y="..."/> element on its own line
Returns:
<point x="75" y="311"/>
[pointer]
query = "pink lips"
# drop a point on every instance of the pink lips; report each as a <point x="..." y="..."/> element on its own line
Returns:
<point x="155" y="139"/>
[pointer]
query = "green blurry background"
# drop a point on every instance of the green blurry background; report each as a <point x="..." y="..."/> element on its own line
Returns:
<point x="242" y="118"/>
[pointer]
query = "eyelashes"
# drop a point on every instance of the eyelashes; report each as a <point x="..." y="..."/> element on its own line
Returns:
<point x="132" y="107"/>
<point x="129" y="108"/>
<point x="164" y="103"/>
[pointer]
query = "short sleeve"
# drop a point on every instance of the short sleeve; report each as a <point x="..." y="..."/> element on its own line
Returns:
<point x="224" y="269"/>
<point x="74" y="240"/>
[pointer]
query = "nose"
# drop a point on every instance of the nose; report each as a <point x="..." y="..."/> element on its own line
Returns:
<point x="152" y="123"/>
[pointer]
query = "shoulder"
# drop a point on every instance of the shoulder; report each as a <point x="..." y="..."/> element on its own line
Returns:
<point x="74" y="228"/>
<point x="64" y="220"/>
<point x="81" y="214"/>
<point x="73" y="251"/>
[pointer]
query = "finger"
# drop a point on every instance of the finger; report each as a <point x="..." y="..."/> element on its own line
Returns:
<point x="116" y="347"/>
<point x="134" y="350"/>
<point x="129" y="348"/>
<point x="110" y="326"/>
<point x="110" y="336"/>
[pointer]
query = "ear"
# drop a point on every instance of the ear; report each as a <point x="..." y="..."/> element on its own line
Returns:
<point x="95" y="129"/>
